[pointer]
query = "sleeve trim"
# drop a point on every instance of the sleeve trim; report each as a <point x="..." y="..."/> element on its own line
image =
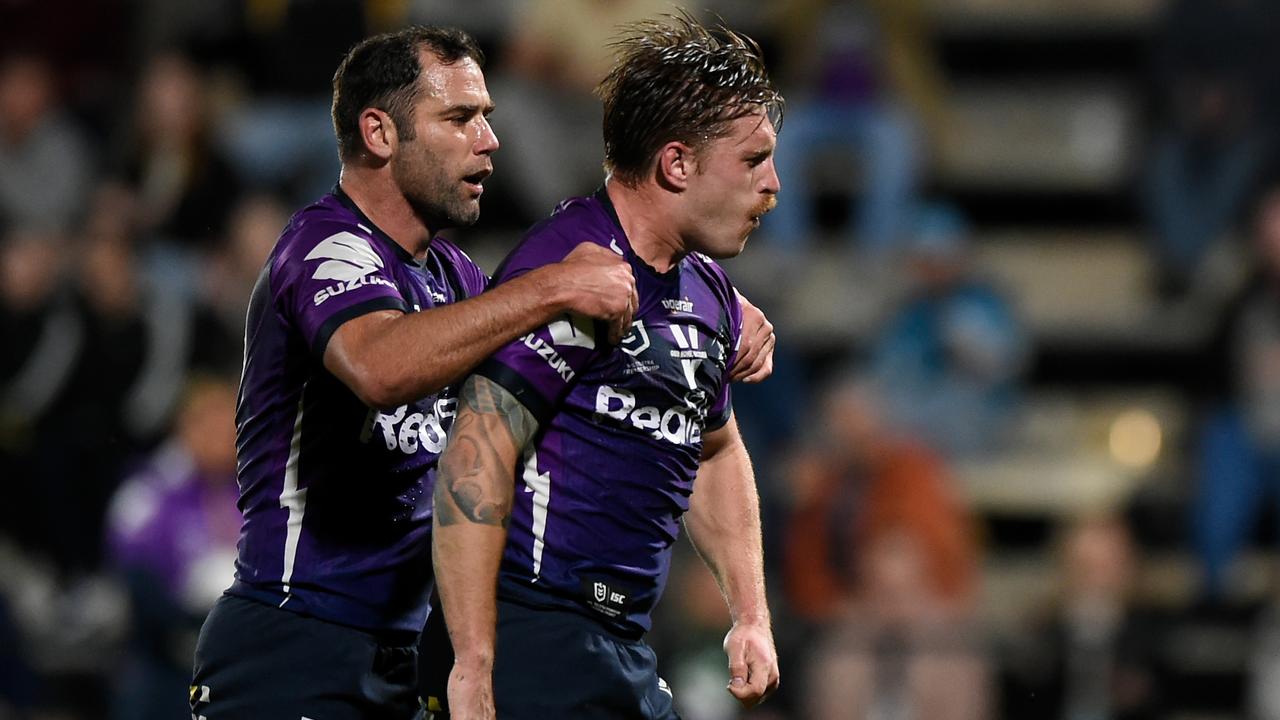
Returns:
<point x="331" y="325"/>
<point x="721" y="418"/>
<point x="519" y="387"/>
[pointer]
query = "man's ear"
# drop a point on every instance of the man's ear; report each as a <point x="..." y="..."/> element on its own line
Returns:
<point x="676" y="165"/>
<point x="378" y="133"/>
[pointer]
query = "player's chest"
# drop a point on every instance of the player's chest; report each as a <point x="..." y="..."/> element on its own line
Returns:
<point x="672" y="363"/>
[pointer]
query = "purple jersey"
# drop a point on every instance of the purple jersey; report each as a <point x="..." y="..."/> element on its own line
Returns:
<point x="178" y="525"/>
<point x="600" y="493"/>
<point x="336" y="496"/>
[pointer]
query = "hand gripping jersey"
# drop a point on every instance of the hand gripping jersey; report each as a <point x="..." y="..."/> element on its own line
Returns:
<point x="336" y="496"/>
<point x="602" y="488"/>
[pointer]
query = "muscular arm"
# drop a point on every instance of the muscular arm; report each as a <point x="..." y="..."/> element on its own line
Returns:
<point x="389" y="358"/>
<point x="724" y="524"/>
<point x="473" y="497"/>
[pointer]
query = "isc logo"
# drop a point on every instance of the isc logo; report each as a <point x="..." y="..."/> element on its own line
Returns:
<point x="602" y="593"/>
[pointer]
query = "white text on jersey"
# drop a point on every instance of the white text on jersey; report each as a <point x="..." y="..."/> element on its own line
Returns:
<point x="548" y="353"/>
<point x="677" y="425"/>
<point x="349" y="285"/>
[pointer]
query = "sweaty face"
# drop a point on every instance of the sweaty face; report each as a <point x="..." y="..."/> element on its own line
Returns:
<point x="441" y="170"/>
<point x="734" y="185"/>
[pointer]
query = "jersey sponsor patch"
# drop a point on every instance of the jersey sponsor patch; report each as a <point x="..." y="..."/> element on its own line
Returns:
<point x="684" y="305"/>
<point x="676" y="425"/>
<point x="549" y="354"/>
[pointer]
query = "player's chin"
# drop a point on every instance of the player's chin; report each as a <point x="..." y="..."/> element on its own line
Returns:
<point x="741" y="243"/>
<point x="465" y="212"/>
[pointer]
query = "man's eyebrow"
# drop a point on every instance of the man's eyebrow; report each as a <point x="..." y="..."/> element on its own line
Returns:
<point x="468" y="108"/>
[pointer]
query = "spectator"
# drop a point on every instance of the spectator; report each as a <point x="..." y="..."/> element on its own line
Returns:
<point x="185" y="187"/>
<point x="1213" y="103"/>
<point x="881" y="558"/>
<point x="1093" y="656"/>
<point x="229" y="278"/>
<point x="44" y="341"/>
<point x="172" y="533"/>
<point x="864" y="480"/>
<point x="280" y="138"/>
<point x="1239" y="449"/>
<point x="950" y="357"/>
<point x="120" y="387"/>
<point x="860" y="79"/>
<point x="45" y="168"/>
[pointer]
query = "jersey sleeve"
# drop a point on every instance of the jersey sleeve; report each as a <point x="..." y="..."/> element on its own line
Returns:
<point x="329" y="277"/>
<point x="722" y="406"/>
<point x="539" y="369"/>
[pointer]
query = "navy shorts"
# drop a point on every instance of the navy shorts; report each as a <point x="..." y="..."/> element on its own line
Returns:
<point x="558" y="664"/>
<point x="256" y="661"/>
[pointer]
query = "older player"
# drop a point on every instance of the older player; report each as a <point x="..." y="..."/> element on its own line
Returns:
<point x="359" y="322"/>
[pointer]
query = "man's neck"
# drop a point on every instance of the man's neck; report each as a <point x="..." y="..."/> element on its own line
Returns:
<point x="646" y="218"/>
<point x="378" y="197"/>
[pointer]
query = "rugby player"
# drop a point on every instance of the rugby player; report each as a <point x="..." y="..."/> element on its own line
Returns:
<point x="572" y="460"/>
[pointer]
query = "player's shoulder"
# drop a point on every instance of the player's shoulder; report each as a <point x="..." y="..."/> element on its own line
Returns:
<point x="318" y="223"/>
<point x="575" y="221"/>
<point x="327" y="232"/>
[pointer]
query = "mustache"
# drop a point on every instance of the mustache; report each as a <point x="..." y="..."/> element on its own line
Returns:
<point x="764" y="206"/>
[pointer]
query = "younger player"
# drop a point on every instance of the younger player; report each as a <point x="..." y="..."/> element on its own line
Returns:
<point x="589" y="450"/>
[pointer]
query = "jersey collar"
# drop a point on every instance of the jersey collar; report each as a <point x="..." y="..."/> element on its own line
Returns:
<point x="374" y="230"/>
<point x="602" y="195"/>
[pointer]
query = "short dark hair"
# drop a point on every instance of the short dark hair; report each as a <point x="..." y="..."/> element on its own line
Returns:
<point x="382" y="72"/>
<point x="675" y="79"/>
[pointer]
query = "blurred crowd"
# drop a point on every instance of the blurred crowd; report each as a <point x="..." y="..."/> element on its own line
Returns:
<point x="151" y="152"/>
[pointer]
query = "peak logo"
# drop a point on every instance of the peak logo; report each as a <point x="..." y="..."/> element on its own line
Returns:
<point x="348" y="259"/>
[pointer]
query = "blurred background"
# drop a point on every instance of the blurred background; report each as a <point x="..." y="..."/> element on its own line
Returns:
<point x="1020" y="457"/>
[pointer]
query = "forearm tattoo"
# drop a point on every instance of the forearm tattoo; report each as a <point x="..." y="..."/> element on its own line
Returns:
<point x="475" y="483"/>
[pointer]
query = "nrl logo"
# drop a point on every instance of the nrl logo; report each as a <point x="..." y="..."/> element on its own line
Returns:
<point x="637" y="341"/>
<point x="600" y="591"/>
